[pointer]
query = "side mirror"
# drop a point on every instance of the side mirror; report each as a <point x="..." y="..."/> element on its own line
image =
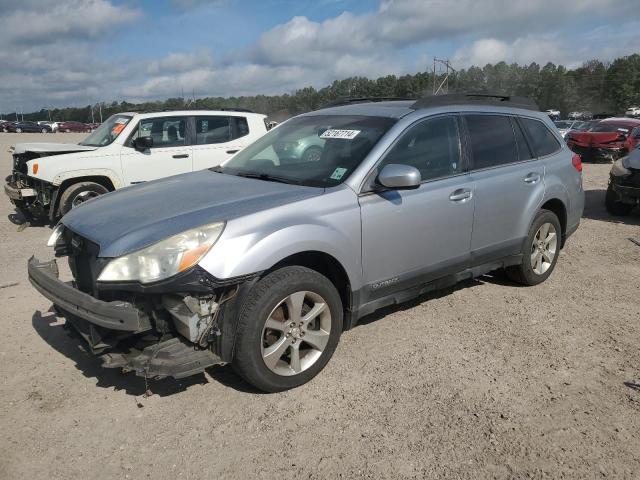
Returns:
<point x="143" y="143"/>
<point x="399" y="176"/>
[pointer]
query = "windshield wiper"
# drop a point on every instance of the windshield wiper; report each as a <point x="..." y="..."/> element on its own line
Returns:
<point x="268" y="178"/>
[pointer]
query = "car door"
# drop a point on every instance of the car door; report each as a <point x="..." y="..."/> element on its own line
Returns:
<point x="415" y="236"/>
<point x="217" y="138"/>
<point x="509" y="185"/>
<point x="171" y="153"/>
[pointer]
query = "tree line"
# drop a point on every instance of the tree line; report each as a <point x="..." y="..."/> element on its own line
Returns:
<point x="596" y="86"/>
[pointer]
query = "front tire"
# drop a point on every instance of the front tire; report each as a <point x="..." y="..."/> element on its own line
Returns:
<point x="614" y="206"/>
<point x="540" y="252"/>
<point x="79" y="193"/>
<point x="288" y="328"/>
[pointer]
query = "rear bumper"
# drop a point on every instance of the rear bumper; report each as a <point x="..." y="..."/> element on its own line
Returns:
<point x="117" y="315"/>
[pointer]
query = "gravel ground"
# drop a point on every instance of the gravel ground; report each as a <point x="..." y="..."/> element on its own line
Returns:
<point x="487" y="380"/>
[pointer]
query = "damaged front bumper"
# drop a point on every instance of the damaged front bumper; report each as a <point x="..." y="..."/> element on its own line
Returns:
<point x="629" y="194"/>
<point x="597" y="154"/>
<point x="32" y="196"/>
<point x="121" y="333"/>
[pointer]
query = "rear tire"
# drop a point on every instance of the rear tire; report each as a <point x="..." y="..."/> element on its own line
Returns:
<point x="614" y="206"/>
<point x="77" y="194"/>
<point x="540" y="252"/>
<point x="276" y="348"/>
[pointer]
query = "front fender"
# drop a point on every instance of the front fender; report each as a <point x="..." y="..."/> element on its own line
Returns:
<point x="247" y="254"/>
<point x="89" y="172"/>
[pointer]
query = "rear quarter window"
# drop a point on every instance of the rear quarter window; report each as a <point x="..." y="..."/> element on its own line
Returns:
<point x="543" y="141"/>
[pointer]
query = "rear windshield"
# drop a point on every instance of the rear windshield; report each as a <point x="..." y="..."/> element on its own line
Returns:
<point x="314" y="150"/>
<point x="611" y="127"/>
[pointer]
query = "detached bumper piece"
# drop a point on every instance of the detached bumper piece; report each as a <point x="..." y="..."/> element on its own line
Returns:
<point x="116" y="315"/>
<point x="171" y="358"/>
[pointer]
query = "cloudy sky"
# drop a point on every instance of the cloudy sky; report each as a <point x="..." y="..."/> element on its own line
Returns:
<point x="76" y="52"/>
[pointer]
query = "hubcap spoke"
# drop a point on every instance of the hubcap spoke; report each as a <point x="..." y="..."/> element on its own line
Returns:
<point x="273" y="353"/>
<point x="275" y="325"/>
<point x="295" y="358"/>
<point x="294" y="305"/>
<point x="550" y="237"/>
<point x="547" y="256"/>
<point x="318" y="339"/>
<point x="317" y="309"/>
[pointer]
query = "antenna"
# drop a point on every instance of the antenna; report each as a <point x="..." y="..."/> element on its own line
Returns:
<point x="444" y="85"/>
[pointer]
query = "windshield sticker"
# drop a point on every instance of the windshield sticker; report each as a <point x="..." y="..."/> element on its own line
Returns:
<point x="117" y="129"/>
<point x="338" y="173"/>
<point x="342" y="134"/>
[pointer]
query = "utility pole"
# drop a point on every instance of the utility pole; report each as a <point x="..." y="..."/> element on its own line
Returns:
<point x="443" y="86"/>
<point x="100" y="108"/>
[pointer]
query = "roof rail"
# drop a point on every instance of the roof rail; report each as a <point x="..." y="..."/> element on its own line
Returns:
<point x="225" y="109"/>
<point x="475" y="99"/>
<point x="350" y="100"/>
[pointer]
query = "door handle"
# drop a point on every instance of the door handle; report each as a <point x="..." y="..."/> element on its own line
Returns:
<point x="181" y="155"/>
<point x="532" y="178"/>
<point x="230" y="152"/>
<point x="460" y="194"/>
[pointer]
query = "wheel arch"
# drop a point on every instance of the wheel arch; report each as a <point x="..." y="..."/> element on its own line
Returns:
<point x="558" y="207"/>
<point x="326" y="265"/>
<point x="101" y="179"/>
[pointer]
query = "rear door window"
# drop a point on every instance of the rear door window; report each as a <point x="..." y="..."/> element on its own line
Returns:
<point x="165" y="131"/>
<point x="544" y="142"/>
<point x="213" y="129"/>
<point x="524" y="152"/>
<point x="491" y="140"/>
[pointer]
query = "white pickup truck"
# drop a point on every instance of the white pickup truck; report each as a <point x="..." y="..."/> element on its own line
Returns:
<point x="48" y="179"/>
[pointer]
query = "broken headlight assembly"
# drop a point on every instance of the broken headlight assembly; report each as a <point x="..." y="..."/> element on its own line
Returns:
<point x="165" y="258"/>
<point x="619" y="169"/>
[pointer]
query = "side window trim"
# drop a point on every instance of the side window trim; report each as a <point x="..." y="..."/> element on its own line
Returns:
<point x="366" y="186"/>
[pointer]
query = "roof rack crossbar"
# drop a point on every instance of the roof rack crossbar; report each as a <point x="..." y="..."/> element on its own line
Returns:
<point x="475" y="99"/>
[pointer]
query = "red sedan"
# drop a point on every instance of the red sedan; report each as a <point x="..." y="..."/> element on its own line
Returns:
<point x="73" y="127"/>
<point x="607" y="140"/>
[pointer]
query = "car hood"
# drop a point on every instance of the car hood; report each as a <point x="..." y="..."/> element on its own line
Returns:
<point x="138" y="216"/>
<point x="49" y="148"/>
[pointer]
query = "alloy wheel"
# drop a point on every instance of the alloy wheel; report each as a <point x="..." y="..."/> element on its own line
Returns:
<point x="295" y="333"/>
<point x="82" y="197"/>
<point x="544" y="248"/>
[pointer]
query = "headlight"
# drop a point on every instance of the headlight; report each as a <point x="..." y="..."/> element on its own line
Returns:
<point x="55" y="235"/>
<point x="165" y="258"/>
<point x="618" y="169"/>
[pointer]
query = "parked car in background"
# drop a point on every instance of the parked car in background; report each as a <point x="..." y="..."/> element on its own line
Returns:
<point x="633" y="112"/>
<point x="263" y="261"/>
<point x="73" y="127"/>
<point x="564" y="126"/>
<point x="553" y="114"/>
<point x="29" y="127"/>
<point x="608" y="140"/>
<point x="93" y="126"/>
<point x="2" y="124"/>
<point x="623" y="192"/>
<point x="49" y="179"/>
<point x="580" y="115"/>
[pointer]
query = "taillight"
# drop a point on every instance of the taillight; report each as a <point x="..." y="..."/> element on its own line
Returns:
<point x="577" y="162"/>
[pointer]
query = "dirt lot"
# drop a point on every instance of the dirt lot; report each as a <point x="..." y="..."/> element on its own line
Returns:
<point x="489" y="380"/>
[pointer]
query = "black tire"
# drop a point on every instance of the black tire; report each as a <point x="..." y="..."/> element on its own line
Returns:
<point x="312" y="154"/>
<point x="259" y="304"/>
<point x="72" y="191"/>
<point x="614" y="206"/>
<point x="524" y="273"/>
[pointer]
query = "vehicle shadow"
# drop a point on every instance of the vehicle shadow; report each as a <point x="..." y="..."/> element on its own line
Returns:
<point x="54" y="333"/>
<point x="594" y="209"/>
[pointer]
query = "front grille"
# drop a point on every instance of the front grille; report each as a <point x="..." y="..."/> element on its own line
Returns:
<point x="84" y="261"/>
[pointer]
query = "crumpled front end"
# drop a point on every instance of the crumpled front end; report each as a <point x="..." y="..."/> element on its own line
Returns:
<point x="171" y="328"/>
<point x="29" y="194"/>
<point x="624" y="179"/>
<point x="597" y="147"/>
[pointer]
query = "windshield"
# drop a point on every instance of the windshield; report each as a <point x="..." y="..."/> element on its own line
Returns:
<point x="314" y="150"/>
<point x="611" y="127"/>
<point x="563" y="124"/>
<point x="107" y="132"/>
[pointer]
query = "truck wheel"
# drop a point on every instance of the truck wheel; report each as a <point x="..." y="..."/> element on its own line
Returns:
<point x="614" y="206"/>
<point x="288" y="328"/>
<point x="77" y="194"/>
<point x="540" y="252"/>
